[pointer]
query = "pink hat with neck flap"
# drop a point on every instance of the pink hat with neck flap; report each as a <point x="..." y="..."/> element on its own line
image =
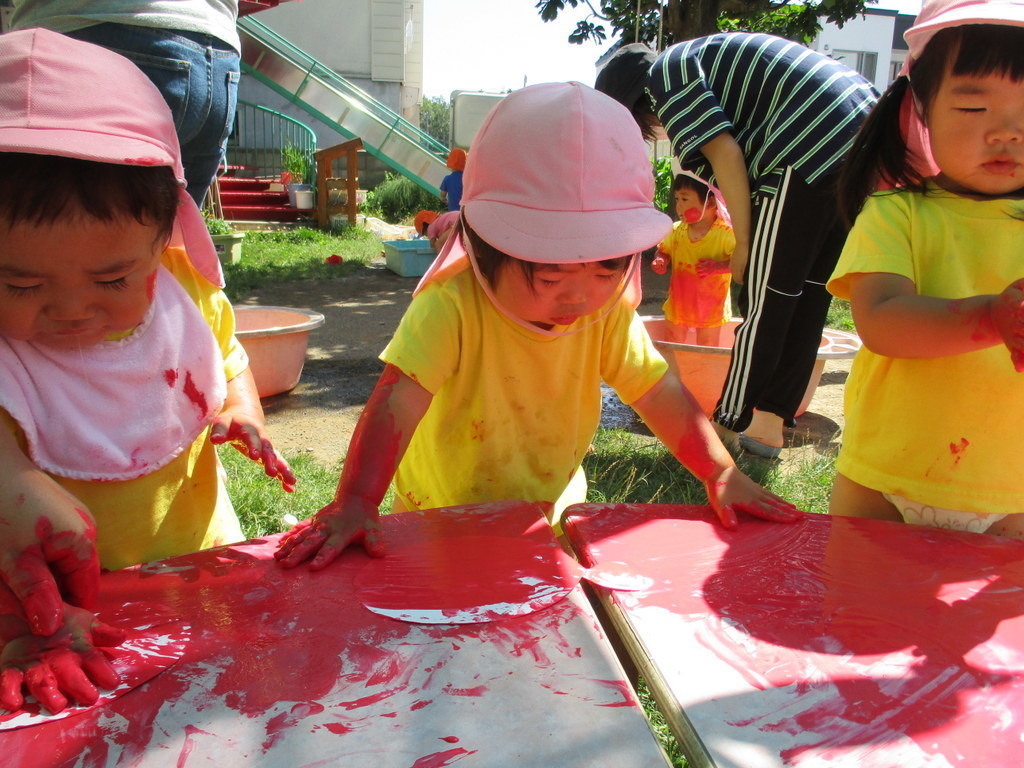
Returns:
<point x="67" y="98"/>
<point x="558" y="173"/>
<point x="936" y="15"/>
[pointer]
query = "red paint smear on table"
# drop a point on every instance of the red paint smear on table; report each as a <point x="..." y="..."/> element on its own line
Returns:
<point x="190" y="744"/>
<point x="481" y="578"/>
<point x="192" y="393"/>
<point x="441" y="759"/>
<point x="289" y="719"/>
<point x="262" y="647"/>
<point x="874" y="632"/>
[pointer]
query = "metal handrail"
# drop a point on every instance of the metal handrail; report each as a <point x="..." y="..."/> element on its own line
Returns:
<point x="258" y="138"/>
<point x="356" y="96"/>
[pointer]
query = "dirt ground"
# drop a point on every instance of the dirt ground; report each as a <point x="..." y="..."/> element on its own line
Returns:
<point x="362" y="309"/>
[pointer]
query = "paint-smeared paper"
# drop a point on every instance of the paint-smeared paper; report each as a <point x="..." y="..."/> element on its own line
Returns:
<point x="154" y="641"/>
<point x="286" y="665"/>
<point x="466" y="579"/>
<point x="831" y="642"/>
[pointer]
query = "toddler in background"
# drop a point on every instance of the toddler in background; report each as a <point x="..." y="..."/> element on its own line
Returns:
<point x="119" y="368"/>
<point x="451" y="185"/>
<point x="492" y="388"/>
<point x="441" y="228"/>
<point x="423" y="220"/>
<point x="935" y="278"/>
<point x="698" y="253"/>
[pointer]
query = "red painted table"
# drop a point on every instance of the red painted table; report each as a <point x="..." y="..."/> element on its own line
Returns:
<point x="288" y="668"/>
<point x="831" y="642"/>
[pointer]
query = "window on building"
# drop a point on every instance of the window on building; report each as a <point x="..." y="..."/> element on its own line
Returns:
<point x="865" y="62"/>
<point x="896" y="64"/>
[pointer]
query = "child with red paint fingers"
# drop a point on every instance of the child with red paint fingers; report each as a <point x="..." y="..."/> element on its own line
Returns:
<point x="118" y="361"/>
<point x="698" y="252"/>
<point x="492" y="389"/>
<point x="933" y="272"/>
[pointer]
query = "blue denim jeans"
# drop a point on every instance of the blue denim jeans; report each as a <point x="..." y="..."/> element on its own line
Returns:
<point x="198" y="76"/>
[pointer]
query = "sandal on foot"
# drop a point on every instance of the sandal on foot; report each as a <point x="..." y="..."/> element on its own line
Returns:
<point x="756" y="447"/>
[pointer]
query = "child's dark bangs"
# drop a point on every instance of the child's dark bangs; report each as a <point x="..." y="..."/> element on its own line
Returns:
<point x="618" y="264"/>
<point x="42" y="189"/>
<point x="990" y="50"/>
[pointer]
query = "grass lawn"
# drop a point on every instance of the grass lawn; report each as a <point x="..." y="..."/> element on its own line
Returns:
<point x="624" y="467"/>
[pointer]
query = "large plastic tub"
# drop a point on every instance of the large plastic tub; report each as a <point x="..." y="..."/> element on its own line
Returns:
<point x="703" y="369"/>
<point x="408" y="258"/>
<point x="276" y="339"/>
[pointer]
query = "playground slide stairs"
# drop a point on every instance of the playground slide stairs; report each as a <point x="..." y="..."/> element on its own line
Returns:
<point x="246" y="199"/>
<point x="322" y="93"/>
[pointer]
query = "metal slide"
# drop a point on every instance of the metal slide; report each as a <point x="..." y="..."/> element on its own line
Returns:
<point x="310" y="85"/>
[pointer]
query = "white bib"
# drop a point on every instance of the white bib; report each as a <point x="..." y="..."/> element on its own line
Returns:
<point x="119" y="409"/>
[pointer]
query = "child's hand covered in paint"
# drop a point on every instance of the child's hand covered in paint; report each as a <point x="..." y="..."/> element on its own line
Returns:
<point x="1007" y="312"/>
<point x="326" y="535"/>
<point x="660" y="264"/>
<point x="47" y="547"/>
<point x="252" y="441"/>
<point x="58" y="669"/>
<point x="731" y="491"/>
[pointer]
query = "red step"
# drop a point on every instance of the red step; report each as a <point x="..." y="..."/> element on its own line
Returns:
<point x="246" y="199"/>
<point x="245" y="7"/>
<point x="233" y="198"/>
<point x="266" y="213"/>
<point x="232" y="183"/>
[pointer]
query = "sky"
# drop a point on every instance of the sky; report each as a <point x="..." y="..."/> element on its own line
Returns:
<point x="497" y="45"/>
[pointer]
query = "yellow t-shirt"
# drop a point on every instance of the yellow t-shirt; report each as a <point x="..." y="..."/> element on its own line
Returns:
<point x="181" y="507"/>
<point x="940" y="431"/>
<point x="513" y="412"/>
<point x="694" y="301"/>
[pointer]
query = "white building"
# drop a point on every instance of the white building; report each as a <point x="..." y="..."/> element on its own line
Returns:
<point x="872" y="43"/>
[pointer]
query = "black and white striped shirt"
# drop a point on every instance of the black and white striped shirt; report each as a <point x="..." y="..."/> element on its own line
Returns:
<point x="785" y="104"/>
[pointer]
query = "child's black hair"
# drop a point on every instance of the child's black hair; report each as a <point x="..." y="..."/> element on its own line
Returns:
<point x="645" y="116"/>
<point x="42" y="189"/>
<point x="490" y="260"/>
<point x="695" y="185"/>
<point x="879" y="152"/>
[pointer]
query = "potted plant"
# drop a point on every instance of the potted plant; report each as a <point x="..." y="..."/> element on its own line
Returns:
<point x="296" y="173"/>
<point x="226" y="241"/>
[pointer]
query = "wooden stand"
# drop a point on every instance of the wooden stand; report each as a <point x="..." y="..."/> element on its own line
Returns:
<point x="326" y="181"/>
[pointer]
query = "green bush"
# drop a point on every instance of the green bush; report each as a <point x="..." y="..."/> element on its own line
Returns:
<point x="398" y="198"/>
<point x="663" y="183"/>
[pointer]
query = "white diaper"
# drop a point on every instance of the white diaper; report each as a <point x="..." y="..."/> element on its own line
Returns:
<point x="916" y="513"/>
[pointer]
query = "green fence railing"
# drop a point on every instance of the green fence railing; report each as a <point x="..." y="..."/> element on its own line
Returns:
<point x="261" y="137"/>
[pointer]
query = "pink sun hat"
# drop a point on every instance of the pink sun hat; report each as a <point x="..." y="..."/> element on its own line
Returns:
<point x="64" y="97"/>
<point x="936" y="15"/>
<point x="559" y="173"/>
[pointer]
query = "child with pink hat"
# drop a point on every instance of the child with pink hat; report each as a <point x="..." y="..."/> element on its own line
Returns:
<point x="119" y="366"/>
<point x="492" y="388"/>
<point x="933" y="271"/>
<point x="698" y="252"/>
